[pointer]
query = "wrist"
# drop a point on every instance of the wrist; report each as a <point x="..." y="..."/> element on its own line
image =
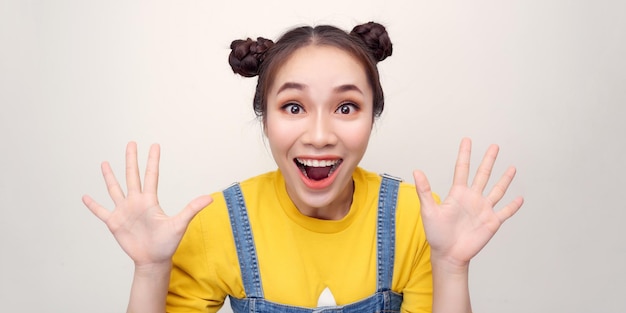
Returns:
<point x="149" y="290"/>
<point x="153" y="269"/>
<point x="450" y="285"/>
<point x="449" y="266"/>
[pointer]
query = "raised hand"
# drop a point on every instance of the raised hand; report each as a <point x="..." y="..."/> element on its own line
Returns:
<point x="459" y="227"/>
<point x="138" y="223"/>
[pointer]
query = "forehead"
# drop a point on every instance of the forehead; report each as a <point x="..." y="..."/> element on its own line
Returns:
<point x="321" y="64"/>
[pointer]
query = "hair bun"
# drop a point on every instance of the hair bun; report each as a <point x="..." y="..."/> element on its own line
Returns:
<point x="376" y="39"/>
<point x="247" y="55"/>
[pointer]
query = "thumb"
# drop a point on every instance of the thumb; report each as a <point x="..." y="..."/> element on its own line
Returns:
<point x="95" y="208"/>
<point x="424" y="191"/>
<point x="193" y="208"/>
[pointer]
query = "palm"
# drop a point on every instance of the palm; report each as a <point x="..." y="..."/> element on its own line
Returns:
<point x="459" y="227"/>
<point x="138" y="223"/>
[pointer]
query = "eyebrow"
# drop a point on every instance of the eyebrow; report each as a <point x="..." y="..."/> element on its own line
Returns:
<point x="290" y="85"/>
<point x="348" y="87"/>
<point x="298" y="86"/>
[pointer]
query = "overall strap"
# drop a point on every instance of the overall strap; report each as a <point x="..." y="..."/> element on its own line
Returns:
<point x="386" y="229"/>
<point x="244" y="241"/>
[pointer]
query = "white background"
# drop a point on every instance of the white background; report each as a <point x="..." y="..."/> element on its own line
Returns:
<point x="544" y="79"/>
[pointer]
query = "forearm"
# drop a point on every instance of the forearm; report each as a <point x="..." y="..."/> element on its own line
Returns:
<point x="450" y="288"/>
<point x="149" y="289"/>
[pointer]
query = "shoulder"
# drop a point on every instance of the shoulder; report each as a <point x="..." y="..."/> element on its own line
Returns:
<point x="214" y="217"/>
<point x="407" y="194"/>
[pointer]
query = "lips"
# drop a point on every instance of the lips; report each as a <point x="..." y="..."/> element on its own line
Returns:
<point x="317" y="170"/>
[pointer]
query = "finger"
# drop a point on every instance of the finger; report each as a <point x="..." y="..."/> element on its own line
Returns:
<point x="187" y="214"/>
<point x="424" y="192"/>
<point x="151" y="180"/>
<point x="461" y="169"/>
<point x="113" y="186"/>
<point x="484" y="169"/>
<point x="95" y="208"/>
<point x="510" y="209"/>
<point x="132" y="171"/>
<point x="500" y="188"/>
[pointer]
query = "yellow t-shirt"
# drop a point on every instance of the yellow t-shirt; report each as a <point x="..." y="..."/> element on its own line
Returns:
<point x="300" y="256"/>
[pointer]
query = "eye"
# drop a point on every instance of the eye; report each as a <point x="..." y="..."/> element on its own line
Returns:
<point x="293" y="108"/>
<point x="347" y="108"/>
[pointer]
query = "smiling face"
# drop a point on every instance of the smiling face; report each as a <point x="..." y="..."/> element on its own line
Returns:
<point x="318" y="123"/>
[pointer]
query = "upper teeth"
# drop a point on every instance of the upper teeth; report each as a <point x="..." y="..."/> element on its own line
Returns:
<point x="318" y="163"/>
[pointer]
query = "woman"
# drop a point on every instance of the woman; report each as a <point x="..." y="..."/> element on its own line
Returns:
<point x="319" y="233"/>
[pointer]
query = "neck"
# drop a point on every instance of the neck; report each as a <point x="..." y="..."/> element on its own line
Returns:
<point x="335" y="210"/>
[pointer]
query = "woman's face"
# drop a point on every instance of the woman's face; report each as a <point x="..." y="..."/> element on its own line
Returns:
<point x="318" y="123"/>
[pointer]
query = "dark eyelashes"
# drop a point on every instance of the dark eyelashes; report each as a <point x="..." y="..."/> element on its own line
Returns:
<point x="290" y="104"/>
<point x="352" y="104"/>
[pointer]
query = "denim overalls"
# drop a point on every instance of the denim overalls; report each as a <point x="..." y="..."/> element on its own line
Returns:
<point x="384" y="300"/>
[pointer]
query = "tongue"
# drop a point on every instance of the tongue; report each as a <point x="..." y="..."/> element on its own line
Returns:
<point x="317" y="173"/>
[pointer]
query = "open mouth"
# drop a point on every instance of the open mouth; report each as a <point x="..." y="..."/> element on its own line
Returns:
<point x="317" y="169"/>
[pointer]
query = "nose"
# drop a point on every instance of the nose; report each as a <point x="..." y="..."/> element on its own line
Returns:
<point x="320" y="131"/>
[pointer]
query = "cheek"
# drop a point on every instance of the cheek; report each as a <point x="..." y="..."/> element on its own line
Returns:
<point x="357" y="137"/>
<point x="279" y="134"/>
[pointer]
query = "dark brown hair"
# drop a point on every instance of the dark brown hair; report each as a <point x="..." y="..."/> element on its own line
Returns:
<point x="369" y="43"/>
